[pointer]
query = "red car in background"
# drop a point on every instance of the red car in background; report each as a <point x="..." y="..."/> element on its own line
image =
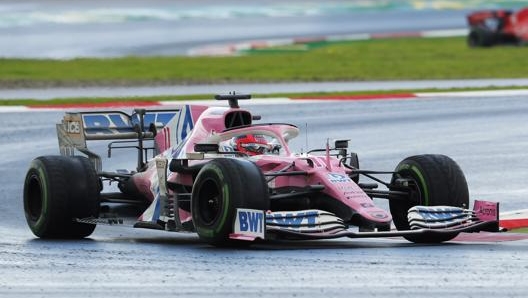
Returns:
<point x="491" y="27"/>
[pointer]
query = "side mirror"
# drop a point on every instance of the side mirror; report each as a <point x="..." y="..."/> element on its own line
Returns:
<point x="341" y="144"/>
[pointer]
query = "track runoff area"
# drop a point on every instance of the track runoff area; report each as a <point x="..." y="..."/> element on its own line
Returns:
<point x="44" y="106"/>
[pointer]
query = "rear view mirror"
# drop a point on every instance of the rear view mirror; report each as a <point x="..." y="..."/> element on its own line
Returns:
<point x="341" y="144"/>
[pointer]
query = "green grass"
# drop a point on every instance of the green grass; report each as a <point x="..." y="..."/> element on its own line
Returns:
<point x="523" y="230"/>
<point x="384" y="59"/>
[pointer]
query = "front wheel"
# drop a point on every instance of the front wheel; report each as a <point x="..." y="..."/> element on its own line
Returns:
<point x="434" y="180"/>
<point x="58" y="189"/>
<point x="222" y="186"/>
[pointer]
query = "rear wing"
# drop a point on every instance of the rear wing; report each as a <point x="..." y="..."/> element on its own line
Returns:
<point x="173" y="125"/>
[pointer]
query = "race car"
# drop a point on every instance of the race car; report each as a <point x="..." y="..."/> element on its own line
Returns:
<point x="491" y="27"/>
<point x="218" y="172"/>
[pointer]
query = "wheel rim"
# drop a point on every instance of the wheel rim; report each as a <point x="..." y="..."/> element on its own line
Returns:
<point x="34" y="198"/>
<point x="415" y="199"/>
<point x="418" y="198"/>
<point x="209" y="201"/>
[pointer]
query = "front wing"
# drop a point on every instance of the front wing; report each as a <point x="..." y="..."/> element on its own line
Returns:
<point x="316" y="224"/>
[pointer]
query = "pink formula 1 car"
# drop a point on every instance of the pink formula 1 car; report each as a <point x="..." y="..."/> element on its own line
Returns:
<point x="490" y="27"/>
<point x="216" y="172"/>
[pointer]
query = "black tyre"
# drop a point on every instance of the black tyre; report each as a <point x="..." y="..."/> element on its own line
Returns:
<point x="222" y="186"/>
<point x="58" y="189"/>
<point x="434" y="180"/>
<point x="479" y="37"/>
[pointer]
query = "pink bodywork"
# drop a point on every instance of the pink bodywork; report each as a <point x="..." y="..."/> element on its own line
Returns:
<point x="209" y="127"/>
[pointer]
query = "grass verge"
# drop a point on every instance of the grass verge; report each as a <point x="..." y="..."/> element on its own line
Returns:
<point x="523" y="230"/>
<point x="381" y="59"/>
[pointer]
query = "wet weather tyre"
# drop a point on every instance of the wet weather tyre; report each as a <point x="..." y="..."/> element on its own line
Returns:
<point x="433" y="180"/>
<point x="58" y="189"/>
<point x="222" y="186"/>
<point x="480" y="38"/>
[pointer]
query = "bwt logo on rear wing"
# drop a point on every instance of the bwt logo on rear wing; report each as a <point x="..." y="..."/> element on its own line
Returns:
<point x="79" y="127"/>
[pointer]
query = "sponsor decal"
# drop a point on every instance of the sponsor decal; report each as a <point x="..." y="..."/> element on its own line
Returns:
<point x="157" y="117"/>
<point x="439" y="216"/>
<point x="106" y="123"/>
<point x="110" y="123"/>
<point x="485" y="210"/>
<point x="73" y="127"/>
<point x="379" y="215"/>
<point x="185" y="123"/>
<point x="293" y="218"/>
<point x="348" y="188"/>
<point x="249" y="222"/>
<point x="355" y="194"/>
<point x="338" y="178"/>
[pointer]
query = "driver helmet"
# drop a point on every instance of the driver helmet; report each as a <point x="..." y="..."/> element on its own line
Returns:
<point x="251" y="144"/>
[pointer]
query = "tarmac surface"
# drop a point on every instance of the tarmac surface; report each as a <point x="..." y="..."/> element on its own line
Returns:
<point x="251" y="88"/>
<point x="486" y="136"/>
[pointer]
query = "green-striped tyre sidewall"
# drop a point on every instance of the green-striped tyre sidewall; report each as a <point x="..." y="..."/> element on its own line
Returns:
<point x="58" y="189"/>
<point x="222" y="186"/>
<point x="438" y="180"/>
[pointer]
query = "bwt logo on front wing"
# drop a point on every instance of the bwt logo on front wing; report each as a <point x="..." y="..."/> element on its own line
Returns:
<point x="250" y="222"/>
<point x="293" y="219"/>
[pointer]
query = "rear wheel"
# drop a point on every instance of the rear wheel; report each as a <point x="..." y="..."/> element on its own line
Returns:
<point x="58" y="189"/>
<point x="222" y="186"/>
<point x="433" y="180"/>
<point x="479" y="37"/>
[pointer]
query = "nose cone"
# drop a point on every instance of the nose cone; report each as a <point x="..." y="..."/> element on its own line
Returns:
<point x="374" y="217"/>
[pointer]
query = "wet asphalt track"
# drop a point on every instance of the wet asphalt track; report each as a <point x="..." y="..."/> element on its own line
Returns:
<point x="486" y="136"/>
